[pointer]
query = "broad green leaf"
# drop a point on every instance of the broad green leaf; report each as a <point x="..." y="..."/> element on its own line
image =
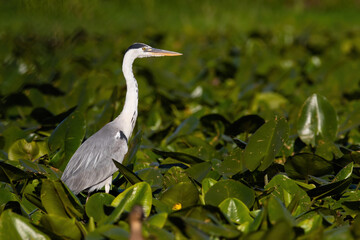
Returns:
<point x="344" y="173"/>
<point x="330" y="189"/>
<point x="342" y="232"/>
<point x="109" y="231"/>
<point x="258" y="219"/>
<point x="265" y="143"/>
<point x="95" y="205"/>
<point x="130" y="176"/>
<point x="6" y="196"/>
<point x="278" y="212"/>
<point x="232" y="163"/>
<point x="182" y="157"/>
<point x="21" y="149"/>
<point x="236" y="210"/>
<point x="58" y="200"/>
<point x="152" y="176"/>
<point x="16" y="227"/>
<point x="11" y="134"/>
<point x="138" y="194"/>
<point x="185" y="128"/>
<point x="158" y="220"/>
<point x="227" y="231"/>
<point x="289" y="193"/>
<point x="133" y="148"/>
<point x="309" y="222"/>
<point x="229" y="189"/>
<point x="199" y="171"/>
<point x="300" y="166"/>
<point x="248" y="124"/>
<point x="175" y="175"/>
<point x="9" y="173"/>
<point x="67" y="136"/>
<point x="281" y="230"/>
<point x="158" y="233"/>
<point x="180" y="195"/>
<point x="62" y="226"/>
<point x="207" y="183"/>
<point x="317" y="120"/>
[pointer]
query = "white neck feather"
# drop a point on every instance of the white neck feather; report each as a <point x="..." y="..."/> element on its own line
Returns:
<point x="127" y="118"/>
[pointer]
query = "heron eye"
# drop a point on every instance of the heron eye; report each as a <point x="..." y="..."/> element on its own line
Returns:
<point x="144" y="48"/>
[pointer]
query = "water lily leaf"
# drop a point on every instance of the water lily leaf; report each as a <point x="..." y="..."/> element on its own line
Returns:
<point x="182" y="157"/>
<point x="309" y="221"/>
<point x="330" y="189"/>
<point x="137" y="194"/>
<point x="7" y="196"/>
<point x="62" y="226"/>
<point x="232" y="163"/>
<point x="68" y="135"/>
<point x="206" y="184"/>
<point x="281" y="230"/>
<point x="180" y="195"/>
<point x="265" y="143"/>
<point x="277" y="211"/>
<point x="212" y="121"/>
<point x="158" y="220"/>
<point x="317" y="120"/>
<point x="185" y="128"/>
<point x="256" y="223"/>
<point x="159" y="233"/>
<point x="95" y="205"/>
<point x="248" y="123"/>
<point x="152" y="176"/>
<point x="175" y="175"/>
<point x="11" y="134"/>
<point x="133" y="148"/>
<point x="16" y="227"/>
<point x="229" y="189"/>
<point x="288" y="192"/>
<point x="9" y="173"/>
<point x="130" y="176"/>
<point x="108" y="231"/>
<point x="344" y="173"/>
<point x="58" y="200"/>
<point x="236" y="210"/>
<point x="199" y="171"/>
<point x="302" y="165"/>
<point x="21" y="149"/>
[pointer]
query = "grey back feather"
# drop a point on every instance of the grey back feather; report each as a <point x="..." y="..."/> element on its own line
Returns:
<point x="92" y="162"/>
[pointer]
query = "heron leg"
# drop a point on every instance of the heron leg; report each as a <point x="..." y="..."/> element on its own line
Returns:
<point x="108" y="184"/>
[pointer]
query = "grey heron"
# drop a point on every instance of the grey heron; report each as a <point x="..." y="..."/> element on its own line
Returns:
<point x="91" y="167"/>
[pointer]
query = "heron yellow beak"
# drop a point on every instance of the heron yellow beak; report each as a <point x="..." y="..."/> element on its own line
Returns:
<point x="160" y="52"/>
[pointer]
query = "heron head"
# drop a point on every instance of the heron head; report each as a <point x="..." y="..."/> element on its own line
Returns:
<point x="142" y="50"/>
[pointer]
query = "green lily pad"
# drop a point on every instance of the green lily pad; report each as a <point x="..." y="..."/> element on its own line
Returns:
<point x="265" y="143"/>
<point x="304" y="164"/>
<point x="62" y="226"/>
<point x="67" y="136"/>
<point x="180" y="195"/>
<point x="229" y="189"/>
<point x="289" y="193"/>
<point x="95" y="205"/>
<point x="236" y="210"/>
<point x="137" y="194"/>
<point x="317" y="120"/>
<point x="16" y="227"/>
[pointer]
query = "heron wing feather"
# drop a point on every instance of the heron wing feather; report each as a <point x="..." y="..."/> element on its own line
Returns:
<point x="92" y="162"/>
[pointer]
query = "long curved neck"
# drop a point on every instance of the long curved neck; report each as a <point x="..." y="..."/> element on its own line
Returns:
<point x="127" y="118"/>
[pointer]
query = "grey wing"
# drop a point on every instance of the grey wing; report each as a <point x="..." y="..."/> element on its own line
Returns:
<point x="92" y="162"/>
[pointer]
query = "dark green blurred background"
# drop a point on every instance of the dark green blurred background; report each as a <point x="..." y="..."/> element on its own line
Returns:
<point x="240" y="57"/>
